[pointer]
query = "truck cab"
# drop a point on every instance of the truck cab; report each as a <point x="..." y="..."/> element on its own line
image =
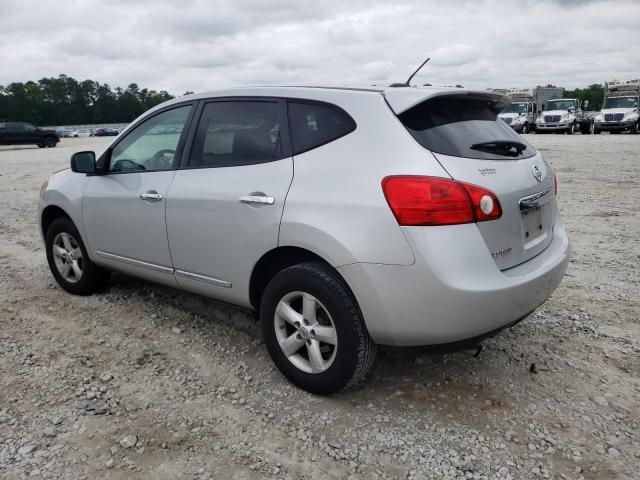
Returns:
<point x="520" y="116"/>
<point x="563" y="115"/>
<point x="621" y="108"/>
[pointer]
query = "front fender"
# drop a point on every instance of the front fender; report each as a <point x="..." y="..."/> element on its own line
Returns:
<point x="65" y="191"/>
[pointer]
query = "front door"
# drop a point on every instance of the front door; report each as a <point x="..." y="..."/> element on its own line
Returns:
<point x="224" y="206"/>
<point x="124" y="209"/>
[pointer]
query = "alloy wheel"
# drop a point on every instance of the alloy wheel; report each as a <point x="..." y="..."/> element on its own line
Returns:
<point x="305" y="332"/>
<point x="67" y="256"/>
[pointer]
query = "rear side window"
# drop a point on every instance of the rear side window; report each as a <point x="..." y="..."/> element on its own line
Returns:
<point x="464" y="127"/>
<point x="315" y="124"/>
<point x="237" y="133"/>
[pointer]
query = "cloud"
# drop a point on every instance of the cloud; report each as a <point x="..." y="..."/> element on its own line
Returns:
<point x="180" y="45"/>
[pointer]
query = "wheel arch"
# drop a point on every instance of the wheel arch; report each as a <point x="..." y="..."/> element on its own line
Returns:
<point x="50" y="214"/>
<point x="275" y="261"/>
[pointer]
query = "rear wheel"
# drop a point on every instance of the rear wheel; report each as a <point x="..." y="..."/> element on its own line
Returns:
<point x="585" y="128"/>
<point x="50" y="142"/>
<point x="69" y="262"/>
<point x="594" y="130"/>
<point x="636" y="128"/>
<point x="314" y="330"/>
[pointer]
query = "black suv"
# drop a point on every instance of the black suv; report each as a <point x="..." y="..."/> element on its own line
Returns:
<point x="21" y="133"/>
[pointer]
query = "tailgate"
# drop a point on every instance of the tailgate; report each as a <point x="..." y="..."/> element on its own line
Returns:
<point x="528" y="205"/>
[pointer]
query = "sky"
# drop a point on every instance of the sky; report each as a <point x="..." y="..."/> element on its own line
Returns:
<point x="180" y="45"/>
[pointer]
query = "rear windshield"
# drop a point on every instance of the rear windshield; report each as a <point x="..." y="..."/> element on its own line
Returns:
<point x="463" y="126"/>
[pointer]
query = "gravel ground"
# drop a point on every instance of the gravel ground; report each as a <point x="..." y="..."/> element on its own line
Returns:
<point x="144" y="381"/>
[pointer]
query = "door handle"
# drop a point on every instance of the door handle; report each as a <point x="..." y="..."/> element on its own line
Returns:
<point x="257" y="199"/>
<point x="151" y="196"/>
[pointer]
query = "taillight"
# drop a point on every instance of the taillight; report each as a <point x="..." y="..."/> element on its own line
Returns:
<point x="438" y="201"/>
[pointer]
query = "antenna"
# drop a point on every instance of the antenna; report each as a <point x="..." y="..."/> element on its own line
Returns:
<point x="406" y="84"/>
<point x="417" y="70"/>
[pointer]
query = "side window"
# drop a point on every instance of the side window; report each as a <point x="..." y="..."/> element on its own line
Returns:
<point x="29" y="128"/>
<point x="236" y="133"/>
<point x="315" y="124"/>
<point x="151" y="145"/>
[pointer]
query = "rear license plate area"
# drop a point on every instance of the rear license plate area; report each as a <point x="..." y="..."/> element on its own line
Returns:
<point x="532" y="224"/>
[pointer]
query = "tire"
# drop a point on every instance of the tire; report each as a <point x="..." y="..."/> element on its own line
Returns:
<point x="585" y="128"/>
<point x="525" y="129"/>
<point x="62" y="233"/>
<point x="594" y="130"/>
<point x="329" y="305"/>
<point x="572" y="129"/>
<point x="50" y="142"/>
<point x="636" y="128"/>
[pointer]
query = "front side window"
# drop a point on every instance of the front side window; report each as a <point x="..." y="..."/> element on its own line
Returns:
<point x="152" y="145"/>
<point x="233" y="133"/>
<point x="29" y="128"/>
<point x="316" y="124"/>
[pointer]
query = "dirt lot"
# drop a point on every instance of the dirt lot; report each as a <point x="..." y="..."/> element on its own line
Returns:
<point x="144" y="381"/>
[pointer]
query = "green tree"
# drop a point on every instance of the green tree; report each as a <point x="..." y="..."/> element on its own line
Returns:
<point x="63" y="100"/>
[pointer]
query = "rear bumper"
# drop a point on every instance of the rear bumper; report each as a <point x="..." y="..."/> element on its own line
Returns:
<point x="454" y="291"/>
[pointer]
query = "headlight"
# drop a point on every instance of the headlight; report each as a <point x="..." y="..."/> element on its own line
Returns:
<point x="43" y="188"/>
<point x="599" y="118"/>
<point x="631" y="116"/>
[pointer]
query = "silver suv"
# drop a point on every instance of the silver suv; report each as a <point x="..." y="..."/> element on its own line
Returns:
<point x="349" y="218"/>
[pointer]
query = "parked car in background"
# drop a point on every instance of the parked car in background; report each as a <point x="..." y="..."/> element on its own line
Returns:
<point x="440" y="225"/>
<point x="81" y="133"/>
<point x="22" y="133"/>
<point x="65" y="132"/>
<point x="105" y="132"/>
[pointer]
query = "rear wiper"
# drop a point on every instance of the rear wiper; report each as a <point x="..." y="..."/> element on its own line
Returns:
<point x="501" y="147"/>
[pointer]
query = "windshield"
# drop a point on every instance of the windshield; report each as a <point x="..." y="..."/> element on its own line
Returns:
<point x="560" y="104"/>
<point x="515" y="108"/>
<point x="621" y="102"/>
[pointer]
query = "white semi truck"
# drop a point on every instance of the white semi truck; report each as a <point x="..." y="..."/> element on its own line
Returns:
<point x="563" y="115"/>
<point x="620" y="109"/>
<point x="525" y="105"/>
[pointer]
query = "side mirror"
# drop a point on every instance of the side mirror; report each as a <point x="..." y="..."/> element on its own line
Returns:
<point x="586" y="104"/>
<point x="83" y="162"/>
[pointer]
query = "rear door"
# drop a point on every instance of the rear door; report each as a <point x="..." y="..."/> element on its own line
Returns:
<point x="224" y="206"/>
<point x="462" y="132"/>
<point x="15" y="133"/>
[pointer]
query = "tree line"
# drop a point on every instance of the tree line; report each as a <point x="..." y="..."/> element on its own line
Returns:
<point x="67" y="101"/>
<point x="594" y="93"/>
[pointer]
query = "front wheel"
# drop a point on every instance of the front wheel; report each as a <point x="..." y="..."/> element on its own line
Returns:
<point x="636" y="128"/>
<point x="69" y="262"/>
<point x="314" y="330"/>
<point x="572" y="129"/>
<point x="525" y="129"/>
<point x="50" y="142"/>
<point x="594" y="130"/>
